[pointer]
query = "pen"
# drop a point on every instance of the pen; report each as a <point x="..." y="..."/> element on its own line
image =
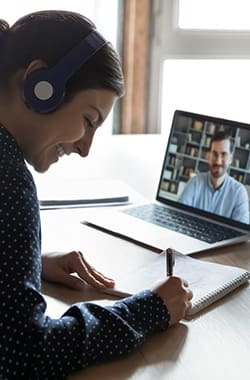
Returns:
<point x="169" y="261"/>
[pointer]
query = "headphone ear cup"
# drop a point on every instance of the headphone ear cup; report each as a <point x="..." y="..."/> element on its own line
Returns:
<point x="44" y="89"/>
<point x="42" y="93"/>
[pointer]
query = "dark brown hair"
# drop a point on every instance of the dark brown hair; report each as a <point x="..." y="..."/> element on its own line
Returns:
<point x="49" y="35"/>
<point x="220" y="136"/>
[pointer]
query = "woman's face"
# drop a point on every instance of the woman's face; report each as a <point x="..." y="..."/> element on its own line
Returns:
<point x="68" y="130"/>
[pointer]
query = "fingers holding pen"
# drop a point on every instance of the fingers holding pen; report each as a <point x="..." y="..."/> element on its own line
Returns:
<point x="177" y="297"/>
<point x="179" y="305"/>
<point x="189" y="295"/>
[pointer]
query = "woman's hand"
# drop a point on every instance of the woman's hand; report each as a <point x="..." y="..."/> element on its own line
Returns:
<point x="59" y="267"/>
<point x="177" y="297"/>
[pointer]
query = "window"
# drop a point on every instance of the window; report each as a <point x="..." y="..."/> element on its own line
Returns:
<point x="214" y="14"/>
<point x="200" y="56"/>
<point x="207" y="86"/>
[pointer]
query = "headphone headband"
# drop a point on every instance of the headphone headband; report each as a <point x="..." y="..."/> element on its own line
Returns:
<point x="44" y="89"/>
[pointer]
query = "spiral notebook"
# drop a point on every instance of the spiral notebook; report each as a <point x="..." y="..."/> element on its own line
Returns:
<point x="208" y="281"/>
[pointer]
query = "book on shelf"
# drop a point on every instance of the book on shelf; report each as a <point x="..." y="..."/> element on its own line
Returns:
<point x="208" y="281"/>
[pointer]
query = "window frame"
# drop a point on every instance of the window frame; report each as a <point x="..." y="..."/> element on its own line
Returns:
<point x="170" y="41"/>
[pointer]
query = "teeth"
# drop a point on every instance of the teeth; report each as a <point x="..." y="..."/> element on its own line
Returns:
<point x="60" y="150"/>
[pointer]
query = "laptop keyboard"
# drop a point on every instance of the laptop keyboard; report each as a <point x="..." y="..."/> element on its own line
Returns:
<point x="183" y="223"/>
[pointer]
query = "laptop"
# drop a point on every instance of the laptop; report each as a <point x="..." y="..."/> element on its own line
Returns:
<point x="173" y="219"/>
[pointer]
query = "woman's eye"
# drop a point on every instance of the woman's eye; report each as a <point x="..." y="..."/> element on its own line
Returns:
<point x="88" y="123"/>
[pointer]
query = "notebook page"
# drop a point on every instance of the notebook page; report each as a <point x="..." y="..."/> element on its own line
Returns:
<point x="208" y="281"/>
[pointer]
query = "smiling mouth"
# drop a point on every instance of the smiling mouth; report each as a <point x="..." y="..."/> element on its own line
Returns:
<point x="60" y="150"/>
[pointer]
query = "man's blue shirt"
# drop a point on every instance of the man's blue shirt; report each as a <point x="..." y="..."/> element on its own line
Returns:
<point x="229" y="200"/>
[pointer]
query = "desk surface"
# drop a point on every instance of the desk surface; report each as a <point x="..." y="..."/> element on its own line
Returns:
<point x="214" y="345"/>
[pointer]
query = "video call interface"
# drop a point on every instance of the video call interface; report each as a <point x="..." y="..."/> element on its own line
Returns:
<point x="193" y="151"/>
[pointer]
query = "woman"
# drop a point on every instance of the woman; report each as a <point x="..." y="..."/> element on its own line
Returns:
<point x="38" y="126"/>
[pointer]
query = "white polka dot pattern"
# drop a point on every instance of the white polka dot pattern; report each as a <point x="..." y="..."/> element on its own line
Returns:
<point x="32" y="345"/>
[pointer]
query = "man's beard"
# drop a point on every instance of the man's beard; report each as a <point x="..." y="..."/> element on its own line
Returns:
<point x="220" y="172"/>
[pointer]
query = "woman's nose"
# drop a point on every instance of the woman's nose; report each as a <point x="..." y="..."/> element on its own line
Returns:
<point x="83" y="146"/>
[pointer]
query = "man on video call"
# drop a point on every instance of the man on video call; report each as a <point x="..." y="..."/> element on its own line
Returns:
<point x="215" y="191"/>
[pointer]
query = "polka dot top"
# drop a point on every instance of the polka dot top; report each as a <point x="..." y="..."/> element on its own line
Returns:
<point x="33" y="345"/>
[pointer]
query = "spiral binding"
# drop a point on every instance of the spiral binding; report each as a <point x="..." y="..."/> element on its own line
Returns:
<point x="214" y="296"/>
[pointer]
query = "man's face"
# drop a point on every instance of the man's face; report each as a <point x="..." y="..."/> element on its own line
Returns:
<point x="219" y="158"/>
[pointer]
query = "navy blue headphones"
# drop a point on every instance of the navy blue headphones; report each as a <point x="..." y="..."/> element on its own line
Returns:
<point x="44" y="89"/>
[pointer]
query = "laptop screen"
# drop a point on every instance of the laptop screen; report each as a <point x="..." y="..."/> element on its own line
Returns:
<point x="206" y="167"/>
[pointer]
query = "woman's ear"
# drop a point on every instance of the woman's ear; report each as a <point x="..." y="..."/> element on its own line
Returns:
<point x="33" y="66"/>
